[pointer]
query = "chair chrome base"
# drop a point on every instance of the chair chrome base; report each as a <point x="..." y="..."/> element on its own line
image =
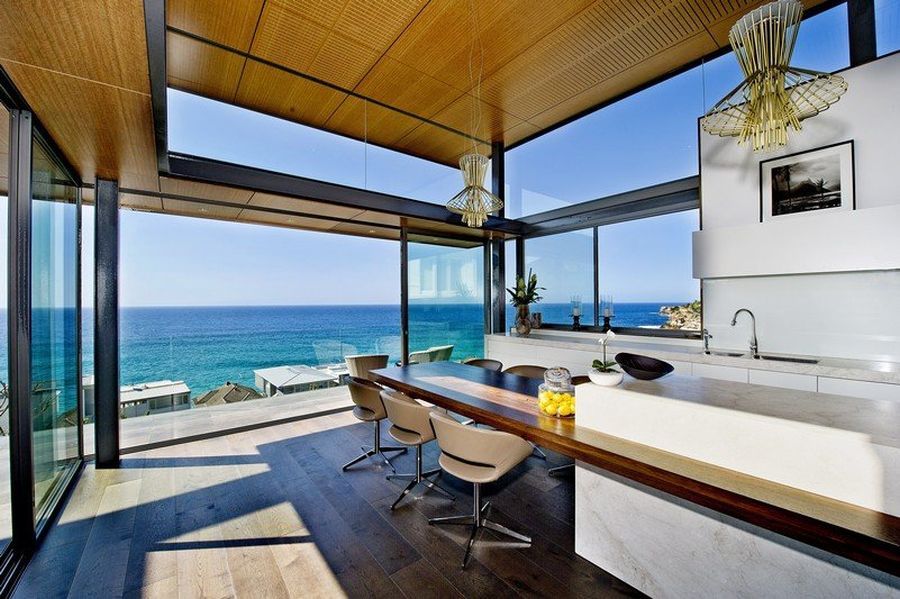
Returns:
<point x="561" y="470"/>
<point x="478" y="520"/>
<point x="538" y="452"/>
<point x="378" y="449"/>
<point x="418" y="477"/>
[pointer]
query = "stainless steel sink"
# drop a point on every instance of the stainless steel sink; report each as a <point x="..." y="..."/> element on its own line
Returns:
<point x="790" y="359"/>
<point x="727" y="354"/>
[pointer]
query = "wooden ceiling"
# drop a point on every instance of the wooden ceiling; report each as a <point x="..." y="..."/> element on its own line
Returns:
<point x="542" y="62"/>
<point x="393" y="71"/>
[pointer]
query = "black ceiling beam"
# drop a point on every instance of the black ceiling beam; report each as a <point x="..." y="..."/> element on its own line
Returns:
<point x="216" y="172"/>
<point x="155" y="22"/>
<point x="674" y="196"/>
<point x="861" y="25"/>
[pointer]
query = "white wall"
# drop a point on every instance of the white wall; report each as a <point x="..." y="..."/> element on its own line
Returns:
<point x="846" y="314"/>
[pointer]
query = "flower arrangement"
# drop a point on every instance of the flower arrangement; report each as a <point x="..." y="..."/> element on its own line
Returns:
<point x="526" y="291"/>
<point x="604" y="365"/>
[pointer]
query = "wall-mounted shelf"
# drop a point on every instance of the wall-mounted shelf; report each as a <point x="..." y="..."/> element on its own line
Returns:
<point x="860" y="240"/>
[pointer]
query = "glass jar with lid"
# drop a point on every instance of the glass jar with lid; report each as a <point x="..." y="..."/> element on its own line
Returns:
<point x="556" y="395"/>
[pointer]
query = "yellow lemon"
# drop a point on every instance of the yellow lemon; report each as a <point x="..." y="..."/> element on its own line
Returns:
<point x="544" y="395"/>
<point x="565" y="410"/>
<point x="551" y="408"/>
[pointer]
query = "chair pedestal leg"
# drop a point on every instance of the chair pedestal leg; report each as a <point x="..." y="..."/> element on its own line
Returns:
<point x="561" y="470"/>
<point x="377" y="449"/>
<point x="419" y="477"/>
<point x="478" y="520"/>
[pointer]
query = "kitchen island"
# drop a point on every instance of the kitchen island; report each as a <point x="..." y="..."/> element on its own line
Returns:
<point x="831" y="459"/>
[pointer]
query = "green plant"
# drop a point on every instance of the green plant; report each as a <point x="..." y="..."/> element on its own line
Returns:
<point x="603" y="366"/>
<point x="526" y="291"/>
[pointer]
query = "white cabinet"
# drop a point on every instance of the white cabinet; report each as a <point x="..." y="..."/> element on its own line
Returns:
<point x="725" y="373"/>
<point x="864" y="389"/>
<point x="785" y="380"/>
<point x="682" y="368"/>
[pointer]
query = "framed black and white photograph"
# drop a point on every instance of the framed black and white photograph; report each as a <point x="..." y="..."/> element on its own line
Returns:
<point x="811" y="181"/>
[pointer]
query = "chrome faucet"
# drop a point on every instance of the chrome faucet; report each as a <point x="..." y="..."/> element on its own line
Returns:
<point x="754" y="346"/>
<point x="706" y="338"/>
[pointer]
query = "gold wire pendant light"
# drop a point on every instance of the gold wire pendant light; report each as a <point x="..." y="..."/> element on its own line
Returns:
<point x="474" y="202"/>
<point x="773" y="96"/>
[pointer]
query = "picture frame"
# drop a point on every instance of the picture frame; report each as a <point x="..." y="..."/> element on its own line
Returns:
<point x="817" y="180"/>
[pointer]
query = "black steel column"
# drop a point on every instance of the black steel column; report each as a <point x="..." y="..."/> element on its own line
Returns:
<point x="596" y="276"/>
<point x="520" y="257"/>
<point x="404" y="295"/>
<point x="19" y="327"/>
<point x="861" y="23"/>
<point x="495" y="251"/>
<point x="106" y="323"/>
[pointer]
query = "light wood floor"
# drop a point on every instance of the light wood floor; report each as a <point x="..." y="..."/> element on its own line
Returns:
<point x="268" y="513"/>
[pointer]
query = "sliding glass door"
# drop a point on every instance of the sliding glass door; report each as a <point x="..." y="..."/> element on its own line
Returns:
<point x="54" y="336"/>
<point x="446" y="301"/>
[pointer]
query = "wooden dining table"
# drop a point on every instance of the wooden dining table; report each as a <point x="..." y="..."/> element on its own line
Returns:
<point x="509" y="403"/>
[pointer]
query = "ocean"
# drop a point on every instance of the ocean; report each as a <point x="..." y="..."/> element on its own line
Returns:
<point x="208" y="346"/>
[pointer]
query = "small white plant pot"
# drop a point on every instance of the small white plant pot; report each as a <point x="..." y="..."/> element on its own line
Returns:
<point x="605" y="379"/>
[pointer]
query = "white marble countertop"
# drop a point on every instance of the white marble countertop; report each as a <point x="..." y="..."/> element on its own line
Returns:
<point x="679" y="350"/>
<point x="845" y="448"/>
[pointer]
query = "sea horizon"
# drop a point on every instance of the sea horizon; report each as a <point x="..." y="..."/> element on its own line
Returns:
<point x="207" y="346"/>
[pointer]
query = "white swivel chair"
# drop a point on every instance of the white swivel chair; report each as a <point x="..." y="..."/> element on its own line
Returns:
<point x="478" y="456"/>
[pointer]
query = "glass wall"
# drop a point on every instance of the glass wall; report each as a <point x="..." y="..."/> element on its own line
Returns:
<point x="54" y="336"/>
<point x="645" y="266"/>
<point x="564" y="265"/>
<point x="5" y="509"/>
<point x="887" y="26"/>
<point x="224" y="323"/>
<point x="212" y="129"/>
<point x="446" y="301"/>
<point x="649" y="137"/>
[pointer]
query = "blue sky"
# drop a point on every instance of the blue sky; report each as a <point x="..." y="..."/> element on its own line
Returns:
<point x="646" y="139"/>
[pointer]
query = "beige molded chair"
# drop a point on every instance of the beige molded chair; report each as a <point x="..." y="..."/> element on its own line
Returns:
<point x="360" y="365"/>
<point x="410" y="425"/>
<point x="369" y="408"/>
<point x="531" y="372"/>
<point x="441" y="353"/>
<point x="421" y="357"/>
<point x="486" y="363"/>
<point x="478" y="456"/>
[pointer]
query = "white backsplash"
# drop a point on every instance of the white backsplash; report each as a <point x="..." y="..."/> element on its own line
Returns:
<point x="842" y="315"/>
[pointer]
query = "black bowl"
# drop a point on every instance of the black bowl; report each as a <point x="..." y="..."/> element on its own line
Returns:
<point x="643" y="367"/>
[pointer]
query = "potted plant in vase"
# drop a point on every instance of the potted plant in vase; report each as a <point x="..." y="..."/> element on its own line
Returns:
<point x="603" y="372"/>
<point x="524" y="294"/>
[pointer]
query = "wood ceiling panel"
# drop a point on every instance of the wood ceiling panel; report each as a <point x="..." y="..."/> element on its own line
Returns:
<point x="621" y="82"/>
<point x="184" y="208"/>
<point x="491" y="121"/>
<point x="438" y="42"/>
<point x="102" y="130"/>
<point x="281" y="94"/>
<point x="267" y="200"/>
<point x="204" y="191"/>
<point x="101" y="40"/>
<point x="202" y="68"/>
<point x="378" y="218"/>
<point x="363" y="120"/>
<point x="282" y="220"/>
<point x="401" y="86"/>
<point x="366" y="231"/>
<point x="342" y="61"/>
<point x="429" y="141"/>
<point x="290" y="33"/>
<point x="231" y="23"/>
<point x="133" y="201"/>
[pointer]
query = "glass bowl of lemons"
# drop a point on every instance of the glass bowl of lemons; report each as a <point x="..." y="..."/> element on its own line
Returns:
<point x="556" y="395"/>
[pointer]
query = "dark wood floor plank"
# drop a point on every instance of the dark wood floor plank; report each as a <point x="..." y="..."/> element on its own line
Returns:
<point x="270" y="513"/>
